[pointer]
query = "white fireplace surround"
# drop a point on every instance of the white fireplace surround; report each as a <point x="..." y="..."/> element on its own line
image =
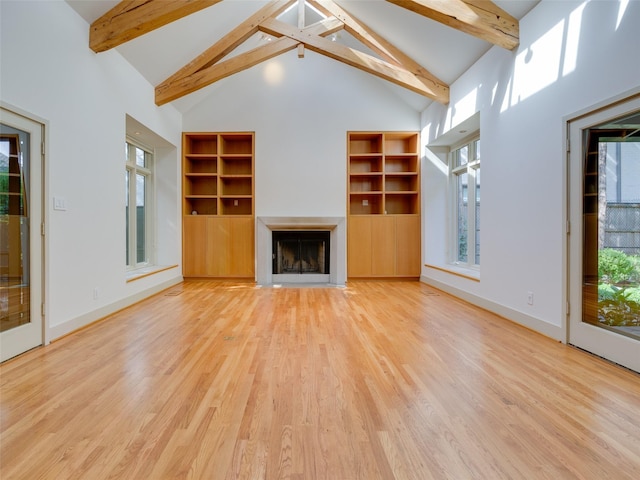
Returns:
<point x="337" y="253"/>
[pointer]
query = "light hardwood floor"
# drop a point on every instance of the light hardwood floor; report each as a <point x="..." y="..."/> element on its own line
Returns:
<point x="380" y="380"/>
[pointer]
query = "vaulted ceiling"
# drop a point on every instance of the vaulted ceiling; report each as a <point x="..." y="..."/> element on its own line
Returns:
<point x="385" y="39"/>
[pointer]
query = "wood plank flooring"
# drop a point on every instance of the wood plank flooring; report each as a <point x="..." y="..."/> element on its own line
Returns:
<point x="379" y="380"/>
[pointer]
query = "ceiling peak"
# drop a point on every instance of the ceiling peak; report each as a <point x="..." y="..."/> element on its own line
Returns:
<point x="133" y="18"/>
<point x="393" y="65"/>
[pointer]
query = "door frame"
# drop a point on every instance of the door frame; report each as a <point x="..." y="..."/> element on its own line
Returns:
<point x="43" y="283"/>
<point x="599" y="341"/>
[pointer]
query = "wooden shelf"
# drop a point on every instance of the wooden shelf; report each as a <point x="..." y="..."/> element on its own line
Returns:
<point x="383" y="191"/>
<point x="236" y="205"/>
<point x="401" y="164"/>
<point x="237" y="185"/>
<point x="400" y="142"/>
<point x="365" y="163"/>
<point x="365" y="203"/>
<point x="590" y="185"/>
<point x="401" y="203"/>
<point x="365" y="183"/>
<point x="236" y="143"/>
<point x="365" y="143"/>
<point x="387" y="163"/>
<point x="200" y="143"/>
<point x="201" y="205"/>
<point x="236" y="165"/>
<point x="218" y="204"/>
<point x="401" y="183"/>
<point x="200" y="164"/>
<point x="217" y="165"/>
<point x="201" y="184"/>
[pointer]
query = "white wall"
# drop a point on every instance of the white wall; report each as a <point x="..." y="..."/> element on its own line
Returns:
<point x="572" y="54"/>
<point x="49" y="71"/>
<point x="301" y="123"/>
<point x="568" y="53"/>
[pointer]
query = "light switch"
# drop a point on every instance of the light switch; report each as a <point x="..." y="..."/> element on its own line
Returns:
<point x="59" y="203"/>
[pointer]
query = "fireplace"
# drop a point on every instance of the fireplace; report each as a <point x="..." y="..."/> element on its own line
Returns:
<point x="302" y="252"/>
<point x="334" y="255"/>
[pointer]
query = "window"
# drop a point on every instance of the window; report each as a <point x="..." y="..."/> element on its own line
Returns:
<point x="465" y="183"/>
<point x="139" y="190"/>
<point x="622" y="174"/>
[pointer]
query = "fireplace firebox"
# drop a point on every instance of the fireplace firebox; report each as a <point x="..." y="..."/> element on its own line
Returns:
<point x="301" y="251"/>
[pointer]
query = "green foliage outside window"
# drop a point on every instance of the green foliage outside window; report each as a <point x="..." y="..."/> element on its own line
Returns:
<point x="618" y="288"/>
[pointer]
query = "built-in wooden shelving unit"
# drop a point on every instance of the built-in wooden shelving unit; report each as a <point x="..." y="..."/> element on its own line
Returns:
<point x="383" y="204"/>
<point x="218" y="204"/>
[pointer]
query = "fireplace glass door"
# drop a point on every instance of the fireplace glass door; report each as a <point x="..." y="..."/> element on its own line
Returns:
<point x="301" y="252"/>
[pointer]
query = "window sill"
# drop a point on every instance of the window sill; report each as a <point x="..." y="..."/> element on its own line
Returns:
<point x="138" y="273"/>
<point x="464" y="272"/>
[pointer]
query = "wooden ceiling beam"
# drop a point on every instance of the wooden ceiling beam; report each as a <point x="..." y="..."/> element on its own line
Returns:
<point x="130" y="19"/>
<point x="301" y="24"/>
<point x="354" y="58"/>
<point x="229" y="42"/>
<point x="181" y="86"/>
<point x="384" y="48"/>
<point x="358" y="29"/>
<point x="133" y="18"/>
<point x="480" y="18"/>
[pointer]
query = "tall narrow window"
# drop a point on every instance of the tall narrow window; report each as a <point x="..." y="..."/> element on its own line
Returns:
<point x="139" y="205"/>
<point x="465" y="181"/>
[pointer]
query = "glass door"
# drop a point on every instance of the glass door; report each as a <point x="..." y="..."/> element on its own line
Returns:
<point x="21" y="325"/>
<point x="604" y="245"/>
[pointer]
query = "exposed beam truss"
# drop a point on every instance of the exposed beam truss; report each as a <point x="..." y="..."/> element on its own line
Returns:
<point x="437" y="89"/>
<point x="132" y="18"/>
<point x="229" y="42"/>
<point x="393" y="65"/>
<point x="181" y="85"/>
<point x="350" y="56"/>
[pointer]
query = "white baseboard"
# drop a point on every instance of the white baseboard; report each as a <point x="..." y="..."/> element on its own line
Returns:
<point x="533" y="323"/>
<point x="74" y="324"/>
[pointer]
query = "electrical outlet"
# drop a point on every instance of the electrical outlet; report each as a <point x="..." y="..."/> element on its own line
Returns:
<point x="530" y="298"/>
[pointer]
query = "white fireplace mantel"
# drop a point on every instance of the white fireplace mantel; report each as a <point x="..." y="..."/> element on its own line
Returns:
<point x="337" y="255"/>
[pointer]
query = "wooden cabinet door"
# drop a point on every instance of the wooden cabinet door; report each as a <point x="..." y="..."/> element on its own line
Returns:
<point x="231" y="247"/>
<point x="218" y="247"/>
<point x="359" y="246"/>
<point x="383" y="246"/>
<point x="194" y="246"/>
<point x="242" y="249"/>
<point x="408" y="259"/>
